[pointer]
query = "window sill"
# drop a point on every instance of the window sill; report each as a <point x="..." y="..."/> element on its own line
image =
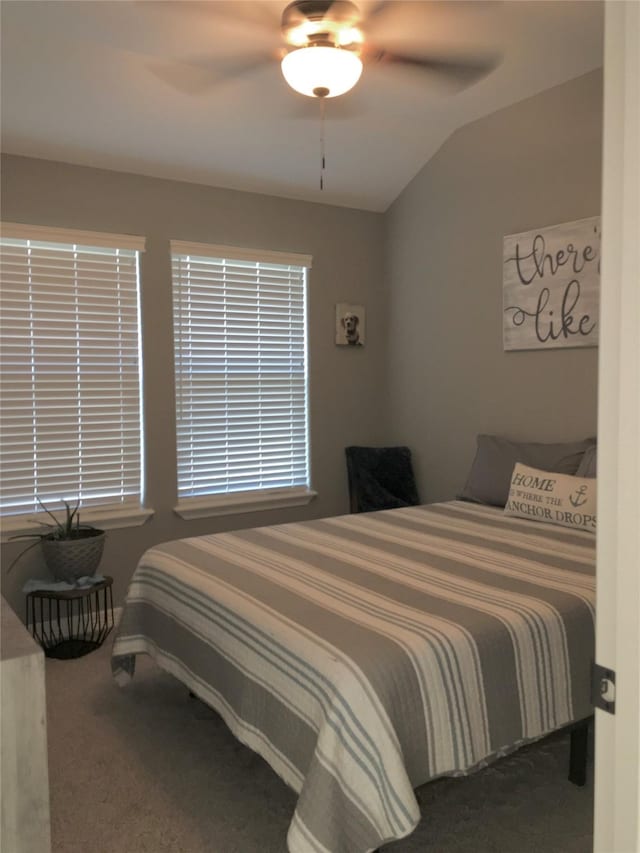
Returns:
<point x="243" y="502"/>
<point x="101" y="517"/>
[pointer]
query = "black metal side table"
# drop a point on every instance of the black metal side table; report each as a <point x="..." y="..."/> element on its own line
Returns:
<point x="73" y="622"/>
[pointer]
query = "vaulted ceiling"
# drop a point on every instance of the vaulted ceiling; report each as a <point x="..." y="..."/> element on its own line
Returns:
<point x="178" y="89"/>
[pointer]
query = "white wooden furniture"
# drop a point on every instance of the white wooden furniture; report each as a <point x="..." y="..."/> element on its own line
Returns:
<point x="25" y="824"/>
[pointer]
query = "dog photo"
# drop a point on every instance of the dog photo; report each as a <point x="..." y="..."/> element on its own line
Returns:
<point x="349" y="325"/>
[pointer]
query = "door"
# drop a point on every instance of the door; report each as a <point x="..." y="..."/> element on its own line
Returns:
<point x="617" y="765"/>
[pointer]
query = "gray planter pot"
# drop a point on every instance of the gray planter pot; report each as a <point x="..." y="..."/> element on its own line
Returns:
<point x="70" y="559"/>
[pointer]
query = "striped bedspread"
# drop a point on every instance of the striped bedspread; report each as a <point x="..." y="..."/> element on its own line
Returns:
<point x="364" y="655"/>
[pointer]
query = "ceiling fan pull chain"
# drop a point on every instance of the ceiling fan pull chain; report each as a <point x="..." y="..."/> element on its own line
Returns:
<point x="322" y="157"/>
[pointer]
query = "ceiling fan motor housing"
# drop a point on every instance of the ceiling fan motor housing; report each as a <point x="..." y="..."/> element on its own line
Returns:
<point x="331" y="23"/>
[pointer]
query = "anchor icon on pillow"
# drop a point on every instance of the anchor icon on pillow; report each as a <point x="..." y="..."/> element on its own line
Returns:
<point x="578" y="497"/>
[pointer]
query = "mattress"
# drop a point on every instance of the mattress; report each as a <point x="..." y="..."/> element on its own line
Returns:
<point x="367" y="654"/>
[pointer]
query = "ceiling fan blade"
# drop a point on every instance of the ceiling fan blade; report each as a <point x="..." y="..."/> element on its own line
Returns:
<point x="199" y="78"/>
<point x="443" y="26"/>
<point x="258" y="14"/>
<point x="456" y="72"/>
<point x="380" y="7"/>
<point x="375" y="10"/>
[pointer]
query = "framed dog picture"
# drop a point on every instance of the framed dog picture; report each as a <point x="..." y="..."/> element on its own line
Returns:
<point x="350" y="325"/>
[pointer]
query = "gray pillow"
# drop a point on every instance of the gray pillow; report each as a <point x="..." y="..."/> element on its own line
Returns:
<point x="490" y="475"/>
<point x="588" y="466"/>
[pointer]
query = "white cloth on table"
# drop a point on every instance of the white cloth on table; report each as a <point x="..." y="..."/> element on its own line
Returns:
<point x="62" y="586"/>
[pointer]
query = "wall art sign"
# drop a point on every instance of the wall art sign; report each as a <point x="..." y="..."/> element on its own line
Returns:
<point x="550" y="286"/>
<point x="350" y="326"/>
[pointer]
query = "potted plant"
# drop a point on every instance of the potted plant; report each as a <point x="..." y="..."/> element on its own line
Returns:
<point x="71" y="549"/>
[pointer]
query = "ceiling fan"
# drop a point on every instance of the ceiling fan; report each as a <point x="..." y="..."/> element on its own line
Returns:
<point x="326" y="43"/>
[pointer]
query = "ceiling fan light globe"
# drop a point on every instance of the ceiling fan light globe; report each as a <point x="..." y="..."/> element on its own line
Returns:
<point x="309" y="69"/>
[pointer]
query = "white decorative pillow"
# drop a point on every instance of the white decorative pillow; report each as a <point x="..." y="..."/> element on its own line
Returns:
<point x="552" y="498"/>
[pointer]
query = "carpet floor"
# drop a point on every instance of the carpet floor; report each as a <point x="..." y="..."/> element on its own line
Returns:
<point x="144" y="770"/>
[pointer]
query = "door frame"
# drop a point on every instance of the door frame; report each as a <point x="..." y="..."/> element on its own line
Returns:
<point x="617" y="759"/>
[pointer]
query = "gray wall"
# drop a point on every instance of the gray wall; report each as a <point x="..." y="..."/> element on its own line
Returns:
<point x="443" y="376"/>
<point x="533" y="164"/>
<point x="345" y="393"/>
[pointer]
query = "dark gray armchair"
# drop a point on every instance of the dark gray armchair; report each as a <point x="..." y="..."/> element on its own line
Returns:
<point x="380" y="478"/>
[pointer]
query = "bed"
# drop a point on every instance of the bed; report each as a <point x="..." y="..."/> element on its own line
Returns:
<point x="365" y="655"/>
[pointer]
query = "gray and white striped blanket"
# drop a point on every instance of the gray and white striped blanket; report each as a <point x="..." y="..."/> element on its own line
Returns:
<point x="366" y="654"/>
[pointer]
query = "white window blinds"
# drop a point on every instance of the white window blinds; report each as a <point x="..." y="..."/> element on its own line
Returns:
<point x="70" y="377"/>
<point x="241" y="370"/>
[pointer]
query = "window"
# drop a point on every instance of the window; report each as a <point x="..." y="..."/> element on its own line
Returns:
<point x="70" y="378"/>
<point x="241" y="379"/>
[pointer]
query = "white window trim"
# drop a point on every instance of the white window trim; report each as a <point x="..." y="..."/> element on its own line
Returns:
<point x="243" y="502"/>
<point x="255" y="499"/>
<point x="265" y="256"/>
<point x="71" y="236"/>
<point x="111" y="515"/>
<point x="104" y="518"/>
